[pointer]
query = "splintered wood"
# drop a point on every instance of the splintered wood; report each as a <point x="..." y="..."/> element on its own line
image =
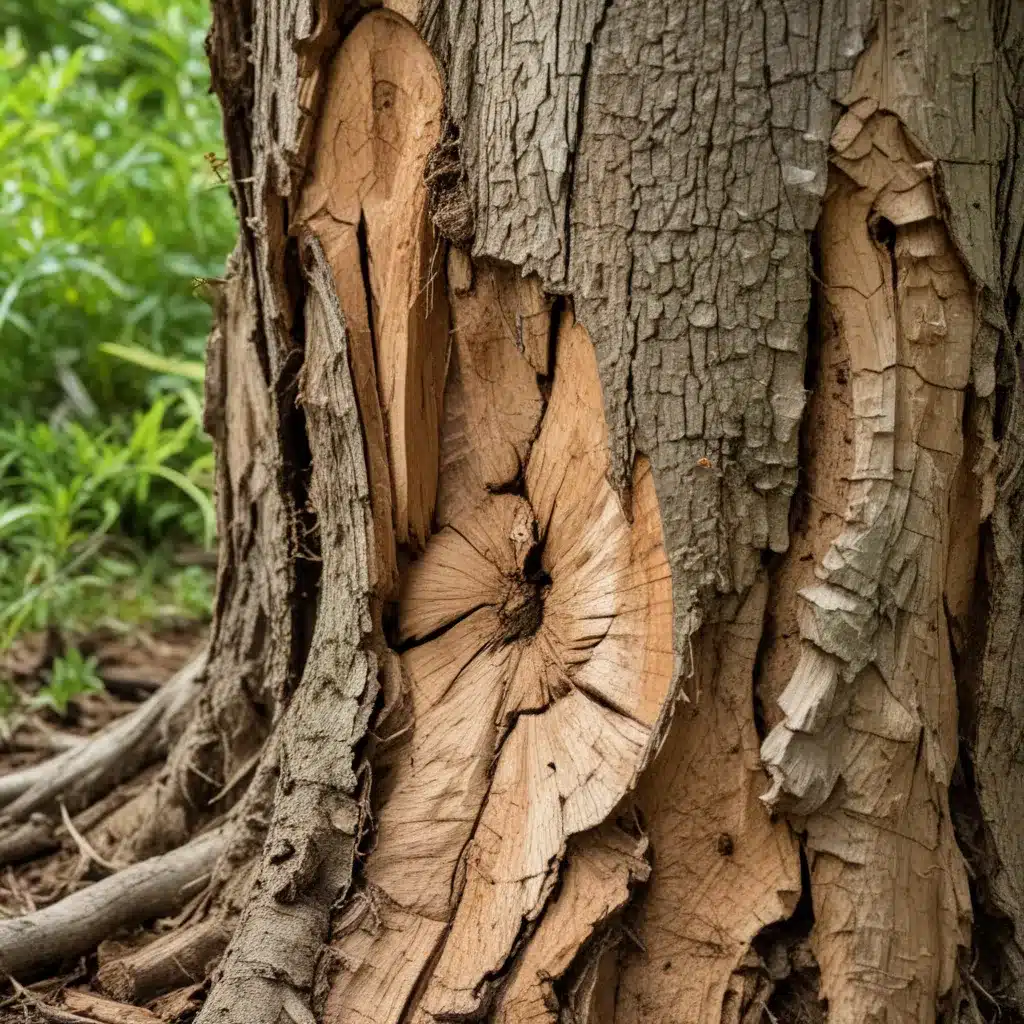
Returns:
<point x="534" y="625"/>
<point x="367" y="204"/>
<point x="723" y="871"/>
<point x="862" y="756"/>
<point x="536" y="628"/>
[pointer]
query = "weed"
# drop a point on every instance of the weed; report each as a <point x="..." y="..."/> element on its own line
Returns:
<point x="70" y="677"/>
<point x="112" y="210"/>
<point x="69" y="500"/>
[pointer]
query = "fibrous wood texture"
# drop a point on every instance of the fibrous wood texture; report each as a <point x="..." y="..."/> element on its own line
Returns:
<point x="536" y="633"/>
<point x="864" y="755"/>
<point x="536" y="625"/>
<point x="510" y="392"/>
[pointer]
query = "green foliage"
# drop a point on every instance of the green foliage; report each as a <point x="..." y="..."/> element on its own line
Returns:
<point x="111" y="210"/>
<point x="70" y="500"/>
<point x="71" y="677"/>
<point x="109" y="206"/>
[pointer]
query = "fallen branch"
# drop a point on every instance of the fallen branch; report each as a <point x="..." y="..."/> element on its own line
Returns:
<point x="152" y="888"/>
<point x="87" y="771"/>
<point x="174" y="960"/>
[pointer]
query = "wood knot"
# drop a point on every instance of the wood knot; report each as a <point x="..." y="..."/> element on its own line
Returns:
<point x="522" y="611"/>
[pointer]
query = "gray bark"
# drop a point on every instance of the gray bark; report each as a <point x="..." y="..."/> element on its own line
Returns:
<point x="658" y="168"/>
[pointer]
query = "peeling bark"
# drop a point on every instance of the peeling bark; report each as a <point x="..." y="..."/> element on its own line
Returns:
<point x="553" y="539"/>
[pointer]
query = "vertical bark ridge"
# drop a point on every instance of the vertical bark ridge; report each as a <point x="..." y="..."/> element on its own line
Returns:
<point x="269" y="967"/>
<point x="872" y="682"/>
<point x="995" y="721"/>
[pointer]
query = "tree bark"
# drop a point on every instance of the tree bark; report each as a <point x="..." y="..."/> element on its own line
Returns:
<point x="622" y="533"/>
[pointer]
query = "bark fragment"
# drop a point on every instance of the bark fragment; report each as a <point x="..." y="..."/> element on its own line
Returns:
<point x="307" y="859"/>
<point x="865" y="753"/>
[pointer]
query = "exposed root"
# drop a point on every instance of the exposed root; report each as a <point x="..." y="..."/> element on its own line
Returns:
<point x="88" y="772"/>
<point x="76" y="924"/>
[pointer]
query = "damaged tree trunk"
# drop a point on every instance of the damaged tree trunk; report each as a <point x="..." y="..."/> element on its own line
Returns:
<point x="617" y="409"/>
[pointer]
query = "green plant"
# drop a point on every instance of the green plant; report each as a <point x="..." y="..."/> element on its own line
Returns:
<point x="70" y="677"/>
<point x="112" y="210"/>
<point x="64" y="490"/>
<point x="109" y="206"/>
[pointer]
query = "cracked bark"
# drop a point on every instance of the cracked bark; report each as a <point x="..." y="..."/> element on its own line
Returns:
<point x="619" y="604"/>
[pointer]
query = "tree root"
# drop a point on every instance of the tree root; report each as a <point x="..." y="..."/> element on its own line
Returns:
<point x="78" y="923"/>
<point x="172" y="961"/>
<point x="87" y="772"/>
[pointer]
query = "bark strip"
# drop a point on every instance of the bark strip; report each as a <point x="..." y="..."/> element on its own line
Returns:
<point x="307" y="858"/>
<point x="864" y="755"/>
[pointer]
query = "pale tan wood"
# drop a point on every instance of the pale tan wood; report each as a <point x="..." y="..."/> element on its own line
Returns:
<point x="601" y="869"/>
<point x="562" y="769"/>
<point x="537" y="628"/>
<point x="171" y="961"/>
<point x="367" y="203"/>
<point x="863" y="754"/>
<point x="492" y="402"/>
<point x="723" y="870"/>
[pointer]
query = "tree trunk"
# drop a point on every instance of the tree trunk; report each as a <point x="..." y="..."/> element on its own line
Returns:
<point x="617" y="416"/>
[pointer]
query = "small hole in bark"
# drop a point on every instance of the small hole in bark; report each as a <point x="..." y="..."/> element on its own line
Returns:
<point x="724" y="844"/>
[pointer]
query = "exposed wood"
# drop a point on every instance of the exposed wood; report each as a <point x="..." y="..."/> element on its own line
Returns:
<point x="185" y="955"/>
<point x="864" y="755"/>
<point x="539" y="665"/>
<point x="723" y="871"/>
<point x="367" y="203"/>
<point x="181" y="1004"/>
<point x="76" y="924"/>
<point x="493" y="404"/>
<point x="601" y="870"/>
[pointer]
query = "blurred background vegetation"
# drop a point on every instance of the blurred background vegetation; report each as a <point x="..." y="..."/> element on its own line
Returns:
<point x="111" y="206"/>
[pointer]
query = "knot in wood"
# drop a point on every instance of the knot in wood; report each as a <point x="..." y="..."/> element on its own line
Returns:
<point x="522" y="611"/>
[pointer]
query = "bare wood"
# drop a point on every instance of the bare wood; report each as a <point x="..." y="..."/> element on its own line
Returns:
<point x="183" y="956"/>
<point x="872" y="698"/>
<point x="545" y="661"/>
<point x="601" y="869"/>
<point x="181" y="1001"/>
<point x="76" y="924"/>
<point x="107" y="1011"/>
<point x="723" y="870"/>
<point x="367" y="203"/>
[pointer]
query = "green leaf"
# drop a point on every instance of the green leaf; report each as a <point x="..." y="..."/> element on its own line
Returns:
<point x="189" y="369"/>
